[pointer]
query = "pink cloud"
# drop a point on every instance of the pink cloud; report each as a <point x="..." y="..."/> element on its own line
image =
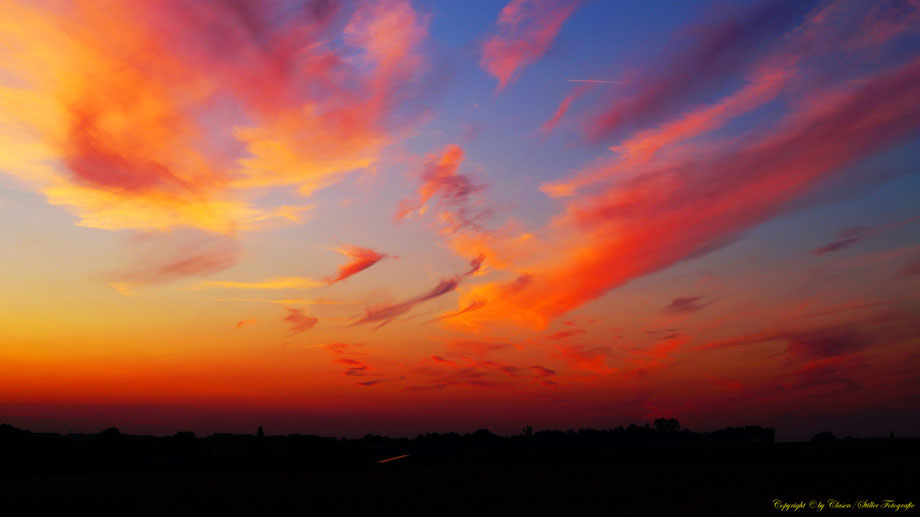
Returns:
<point x="526" y="30"/>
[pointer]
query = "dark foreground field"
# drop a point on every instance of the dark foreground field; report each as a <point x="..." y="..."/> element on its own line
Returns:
<point x="634" y="471"/>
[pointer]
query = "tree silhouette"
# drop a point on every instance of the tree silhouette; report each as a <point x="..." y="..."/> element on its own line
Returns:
<point x="669" y="425"/>
<point x="824" y="436"/>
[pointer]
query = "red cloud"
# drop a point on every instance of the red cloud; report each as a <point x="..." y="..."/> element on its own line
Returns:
<point x="592" y="359"/>
<point x="440" y="359"/>
<point x="442" y="373"/>
<point x="526" y="29"/>
<point x="361" y="259"/>
<point x="669" y="212"/>
<point x="563" y="334"/>
<point x="387" y="313"/>
<point x="541" y="371"/>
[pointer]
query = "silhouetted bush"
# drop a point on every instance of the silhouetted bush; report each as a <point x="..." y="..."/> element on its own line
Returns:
<point x="824" y="436"/>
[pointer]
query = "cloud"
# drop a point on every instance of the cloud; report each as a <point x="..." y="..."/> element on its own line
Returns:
<point x="718" y="50"/>
<point x="589" y="359"/>
<point x="541" y="371"/>
<point x="565" y="334"/>
<point x="595" y="81"/>
<point x="274" y="283"/>
<point x="526" y="30"/>
<point x="473" y="305"/>
<point x="855" y="234"/>
<point x="844" y="240"/>
<point x="160" y="258"/>
<point x="664" y="213"/>
<point x="563" y="108"/>
<point x="287" y="301"/>
<point x="361" y="259"/>
<point x="440" y="359"/>
<point x="160" y="115"/>
<point x="913" y="268"/>
<point x="242" y="323"/>
<point x="339" y="348"/>
<point x="830" y="339"/>
<point x="685" y="304"/>
<point x="641" y="148"/>
<point x="387" y="313"/>
<point x="299" y="321"/>
<point x="443" y="373"/>
<point x="454" y="192"/>
<point x="354" y="368"/>
<point x="475" y="348"/>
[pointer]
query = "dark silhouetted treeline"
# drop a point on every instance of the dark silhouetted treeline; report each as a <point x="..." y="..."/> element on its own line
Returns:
<point x="664" y="442"/>
<point x="657" y="469"/>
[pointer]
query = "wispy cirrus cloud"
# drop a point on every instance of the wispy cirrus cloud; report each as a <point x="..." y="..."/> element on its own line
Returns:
<point x="441" y="373"/>
<point x="458" y="206"/>
<point x="686" y="304"/>
<point x="526" y="30"/>
<point x="912" y="269"/>
<point x="855" y="234"/>
<point x="383" y="314"/>
<point x="563" y="108"/>
<point x="243" y="323"/>
<point x="591" y="359"/>
<point x="718" y="51"/>
<point x="695" y="200"/>
<point x="157" y="258"/>
<point x="299" y="322"/>
<point x="845" y="239"/>
<point x="274" y="283"/>
<point x="285" y="301"/>
<point x="361" y="259"/>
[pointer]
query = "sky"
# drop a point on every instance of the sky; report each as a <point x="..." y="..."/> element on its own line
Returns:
<point x="399" y="217"/>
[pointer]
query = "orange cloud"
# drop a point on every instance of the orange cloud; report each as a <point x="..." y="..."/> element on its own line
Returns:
<point x="299" y="321"/>
<point x="660" y="216"/>
<point x="278" y="282"/>
<point x="526" y="30"/>
<point x="166" y="114"/>
<point x="242" y="323"/>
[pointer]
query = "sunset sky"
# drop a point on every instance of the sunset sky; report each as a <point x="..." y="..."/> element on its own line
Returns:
<point x="400" y="216"/>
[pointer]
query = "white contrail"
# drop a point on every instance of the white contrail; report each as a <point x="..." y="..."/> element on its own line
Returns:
<point x="594" y="81"/>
